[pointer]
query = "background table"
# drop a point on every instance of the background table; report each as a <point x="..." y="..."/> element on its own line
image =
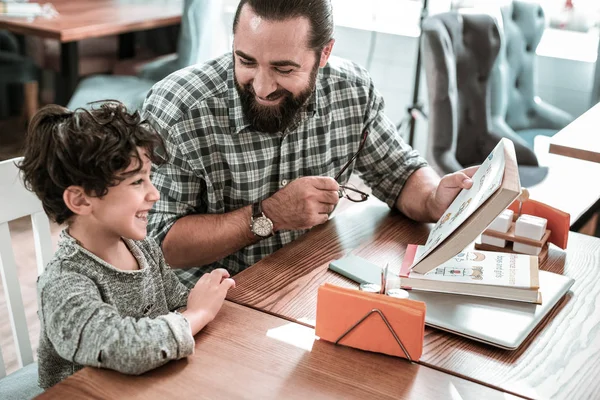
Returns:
<point x="581" y="138"/>
<point x="559" y="360"/>
<point x="84" y="19"/>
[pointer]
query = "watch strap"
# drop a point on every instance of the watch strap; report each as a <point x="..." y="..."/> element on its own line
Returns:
<point x="256" y="210"/>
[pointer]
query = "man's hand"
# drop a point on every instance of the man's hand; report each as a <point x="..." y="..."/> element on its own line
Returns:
<point x="303" y="203"/>
<point x="447" y="190"/>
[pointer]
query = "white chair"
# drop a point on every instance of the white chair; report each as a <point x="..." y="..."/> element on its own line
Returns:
<point x="17" y="202"/>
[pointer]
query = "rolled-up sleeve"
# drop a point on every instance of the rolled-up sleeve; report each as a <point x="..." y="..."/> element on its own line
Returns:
<point x="387" y="161"/>
<point x="85" y="330"/>
<point x="179" y="187"/>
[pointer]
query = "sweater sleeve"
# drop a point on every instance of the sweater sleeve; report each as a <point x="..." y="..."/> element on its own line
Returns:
<point x="85" y="330"/>
<point x="176" y="292"/>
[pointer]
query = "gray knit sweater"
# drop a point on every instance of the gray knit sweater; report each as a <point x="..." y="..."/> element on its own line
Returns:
<point x="93" y="314"/>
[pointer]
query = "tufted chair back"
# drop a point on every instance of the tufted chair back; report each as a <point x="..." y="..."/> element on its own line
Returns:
<point x="459" y="52"/>
<point x="513" y="78"/>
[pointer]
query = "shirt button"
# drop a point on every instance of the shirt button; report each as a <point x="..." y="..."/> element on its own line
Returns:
<point x="284" y="182"/>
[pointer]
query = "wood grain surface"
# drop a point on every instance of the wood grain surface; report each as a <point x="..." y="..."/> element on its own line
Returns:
<point x="560" y="359"/>
<point x="246" y="354"/>
<point x="83" y="19"/>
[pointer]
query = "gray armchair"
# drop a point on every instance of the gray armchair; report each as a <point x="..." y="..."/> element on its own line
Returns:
<point x="16" y="69"/>
<point x="459" y="52"/>
<point x="196" y="28"/>
<point x="513" y="101"/>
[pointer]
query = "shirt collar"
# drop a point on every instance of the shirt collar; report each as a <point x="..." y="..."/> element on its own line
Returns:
<point x="238" y="121"/>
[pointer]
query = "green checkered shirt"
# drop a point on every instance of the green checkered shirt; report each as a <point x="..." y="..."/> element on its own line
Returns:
<point x="218" y="163"/>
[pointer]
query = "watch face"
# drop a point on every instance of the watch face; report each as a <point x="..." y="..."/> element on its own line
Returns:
<point x="262" y="226"/>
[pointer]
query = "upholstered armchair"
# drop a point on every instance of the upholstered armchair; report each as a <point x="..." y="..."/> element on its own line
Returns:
<point x="514" y="105"/>
<point x="16" y="69"/>
<point x="459" y="52"/>
<point x="195" y="45"/>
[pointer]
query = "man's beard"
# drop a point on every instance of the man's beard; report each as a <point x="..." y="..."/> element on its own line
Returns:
<point x="273" y="119"/>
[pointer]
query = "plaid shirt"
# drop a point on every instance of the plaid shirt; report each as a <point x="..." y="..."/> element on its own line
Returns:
<point x="218" y="163"/>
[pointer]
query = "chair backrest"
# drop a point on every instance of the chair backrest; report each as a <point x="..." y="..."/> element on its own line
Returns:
<point x="513" y="95"/>
<point x="202" y="35"/>
<point x="16" y="202"/>
<point x="458" y="54"/>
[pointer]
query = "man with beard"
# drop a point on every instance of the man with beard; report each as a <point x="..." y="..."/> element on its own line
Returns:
<point x="255" y="138"/>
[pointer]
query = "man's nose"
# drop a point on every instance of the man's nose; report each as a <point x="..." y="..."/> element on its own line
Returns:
<point x="264" y="84"/>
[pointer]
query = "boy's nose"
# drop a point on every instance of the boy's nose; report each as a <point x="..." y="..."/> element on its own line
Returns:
<point x="153" y="195"/>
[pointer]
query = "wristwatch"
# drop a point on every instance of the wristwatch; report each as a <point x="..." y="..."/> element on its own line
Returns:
<point x="260" y="224"/>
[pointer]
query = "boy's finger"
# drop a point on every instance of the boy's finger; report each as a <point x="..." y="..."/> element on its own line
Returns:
<point x="228" y="283"/>
<point x="219" y="274"/>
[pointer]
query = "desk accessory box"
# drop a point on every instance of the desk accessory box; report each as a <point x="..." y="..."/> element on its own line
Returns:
<point x="371" y="321"/>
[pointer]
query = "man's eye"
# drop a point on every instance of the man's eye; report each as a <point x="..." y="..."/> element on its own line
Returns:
<point x="284" y="71"/>
<point x="245" y="62"/>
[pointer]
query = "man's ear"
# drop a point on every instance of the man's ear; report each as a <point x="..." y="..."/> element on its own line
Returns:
<point x="325" y="53"/>
<point x="77" y="201"/>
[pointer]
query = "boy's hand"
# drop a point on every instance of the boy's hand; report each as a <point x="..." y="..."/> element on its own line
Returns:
<point x="206" y="298"/>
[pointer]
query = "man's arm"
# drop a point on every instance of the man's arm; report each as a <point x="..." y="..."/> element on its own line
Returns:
<point x="425" y="196"/>
<point x="200" y="239"/>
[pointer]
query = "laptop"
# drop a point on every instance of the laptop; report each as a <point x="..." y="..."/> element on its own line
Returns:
<point x="501" y="323"/>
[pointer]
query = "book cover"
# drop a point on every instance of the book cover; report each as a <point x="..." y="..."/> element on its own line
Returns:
<point x="479" y="273"/>
<point x="496" y="185"/>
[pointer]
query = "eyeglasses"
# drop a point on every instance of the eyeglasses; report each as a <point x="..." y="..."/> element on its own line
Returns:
<point x="348" y="191"/>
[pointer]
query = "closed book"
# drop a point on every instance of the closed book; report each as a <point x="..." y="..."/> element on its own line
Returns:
<point x="496" y="185"/>
<point x="505" y="276"/>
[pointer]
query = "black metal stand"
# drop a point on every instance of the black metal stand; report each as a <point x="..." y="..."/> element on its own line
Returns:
<point x="416" y="108"/>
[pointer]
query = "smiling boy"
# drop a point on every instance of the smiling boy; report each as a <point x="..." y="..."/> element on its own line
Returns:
<point x="107" y="299"/>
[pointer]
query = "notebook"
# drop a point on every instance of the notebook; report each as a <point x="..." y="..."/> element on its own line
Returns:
<point x="500" y="323"/>
<point x="497" y="275"/>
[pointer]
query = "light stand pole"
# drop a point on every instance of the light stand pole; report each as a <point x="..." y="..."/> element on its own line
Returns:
<point x="416" y="106"/>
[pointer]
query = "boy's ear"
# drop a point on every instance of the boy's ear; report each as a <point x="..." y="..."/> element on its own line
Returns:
<point x="77" y="201"/>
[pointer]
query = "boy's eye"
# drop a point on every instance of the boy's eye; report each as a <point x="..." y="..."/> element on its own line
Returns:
<point x="138" y="182"/>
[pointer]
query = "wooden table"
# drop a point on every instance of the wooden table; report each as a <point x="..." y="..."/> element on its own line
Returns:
<point x="581" y="138"/>
<point x="559" y="360"/>
<point x="246" y="354"/>
<point x="84" y="19"/>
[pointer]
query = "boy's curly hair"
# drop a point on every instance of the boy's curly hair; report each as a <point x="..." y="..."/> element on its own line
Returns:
<point x="87" y="148"/>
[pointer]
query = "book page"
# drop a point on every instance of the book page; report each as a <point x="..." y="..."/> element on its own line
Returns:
<point x="483" y="267"/>
<point x="486" y="181"/>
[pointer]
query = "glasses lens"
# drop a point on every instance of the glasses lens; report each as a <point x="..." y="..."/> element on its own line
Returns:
<point x="353" y="194"/>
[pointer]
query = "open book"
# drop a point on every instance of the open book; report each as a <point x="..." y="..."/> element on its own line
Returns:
<point x="478" y="273"/>
<point x="496" y="185"/>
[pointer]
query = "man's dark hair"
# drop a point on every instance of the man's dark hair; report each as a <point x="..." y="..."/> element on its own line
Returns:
<point x="87" y="148"/>
<point x="318" y="12"/>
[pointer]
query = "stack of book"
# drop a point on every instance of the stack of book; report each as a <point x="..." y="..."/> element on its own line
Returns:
<point x="443" y="264"/>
